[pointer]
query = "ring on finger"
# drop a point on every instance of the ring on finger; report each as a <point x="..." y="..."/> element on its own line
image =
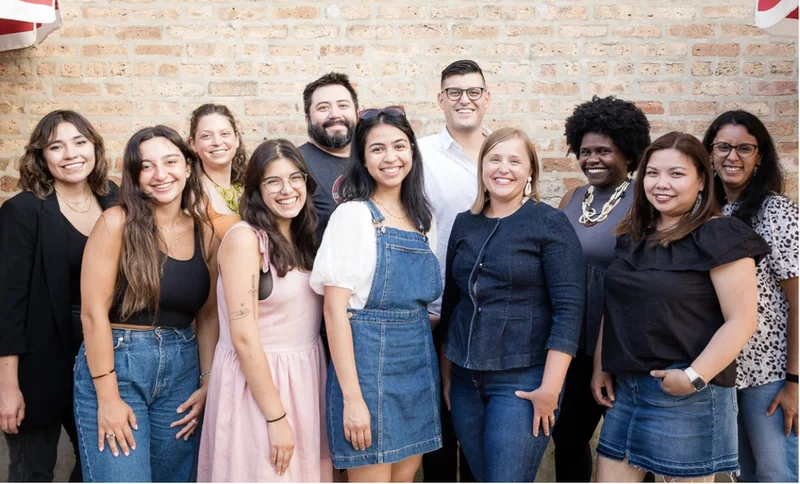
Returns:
<point x="194" y="421"/>
<point x="111" y="435"/>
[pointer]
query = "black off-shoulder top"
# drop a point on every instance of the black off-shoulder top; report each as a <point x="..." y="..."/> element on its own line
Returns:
<point x="661" y="308"/>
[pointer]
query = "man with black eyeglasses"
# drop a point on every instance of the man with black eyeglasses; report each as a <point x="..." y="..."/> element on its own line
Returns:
<point x="451" y="184"/>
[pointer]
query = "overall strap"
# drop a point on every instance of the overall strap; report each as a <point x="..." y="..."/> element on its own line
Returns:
<point x="377" y="216"/>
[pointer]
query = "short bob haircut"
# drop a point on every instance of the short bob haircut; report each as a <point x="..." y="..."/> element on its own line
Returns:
<point x="283" y="254"/>
<point x="494" y="139"/>
<point x="622" y="121"/>
<point x="358" y="184"/>
<point x="764" y="182"/>
<point x="33" y="173"/>
<point x="641" y="219"/>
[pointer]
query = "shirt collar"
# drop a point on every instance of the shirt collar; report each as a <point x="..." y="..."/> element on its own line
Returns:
<point x="447" y="141"/>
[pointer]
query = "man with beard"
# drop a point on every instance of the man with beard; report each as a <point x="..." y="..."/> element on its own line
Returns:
<point x="330" y="105"/>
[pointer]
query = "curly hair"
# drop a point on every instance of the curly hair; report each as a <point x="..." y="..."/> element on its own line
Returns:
<point x="33" y="173"/>
<point x="622" y="121"/>
<point x="240" y="157"/>
<point x="767" y="180"/>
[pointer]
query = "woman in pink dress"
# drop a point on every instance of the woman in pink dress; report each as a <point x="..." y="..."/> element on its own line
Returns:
<point x="265" y="411"/>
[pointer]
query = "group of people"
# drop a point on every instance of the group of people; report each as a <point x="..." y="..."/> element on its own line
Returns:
<point x="373" y="302"/>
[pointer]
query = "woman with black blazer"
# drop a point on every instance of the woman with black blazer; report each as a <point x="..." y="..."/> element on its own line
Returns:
<point x="43" y="231"/>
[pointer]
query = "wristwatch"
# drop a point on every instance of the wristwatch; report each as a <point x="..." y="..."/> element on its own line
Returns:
<point x="697" y="381"/>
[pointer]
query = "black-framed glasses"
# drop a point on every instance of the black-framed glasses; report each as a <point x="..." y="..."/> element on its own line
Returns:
<point x="455" y="93"/>
<point x="275" y="185"/>
<point x="744" y="150"/>
<point x="390" y="110"/>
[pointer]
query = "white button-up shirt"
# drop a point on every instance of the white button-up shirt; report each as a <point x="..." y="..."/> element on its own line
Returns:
<point x="451" y="184"/>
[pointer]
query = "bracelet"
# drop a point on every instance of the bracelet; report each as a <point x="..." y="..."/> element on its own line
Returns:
<point x="275" y="420"/>
<point x="791" y="377"/>
<point x="202" y="375"/>
<point x="104" y="374"/>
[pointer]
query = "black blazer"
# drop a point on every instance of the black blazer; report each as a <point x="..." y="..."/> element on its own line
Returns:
<point x="35" y="320"/>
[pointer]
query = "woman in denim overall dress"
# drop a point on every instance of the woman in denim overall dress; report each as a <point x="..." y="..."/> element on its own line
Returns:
<point x="383" y="393"/>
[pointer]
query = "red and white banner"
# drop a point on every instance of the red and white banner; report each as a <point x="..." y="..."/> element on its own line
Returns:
<point x="777" y="17"/>
<point x="27" y="22"/>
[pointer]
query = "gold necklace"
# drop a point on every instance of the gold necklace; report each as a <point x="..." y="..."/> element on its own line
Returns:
<point x="177" y="224"/>
<point x="73" y="204"/>
<point x="231" y="195"/>
<point x="387" y="210"/>
<point x="589" y="216"/>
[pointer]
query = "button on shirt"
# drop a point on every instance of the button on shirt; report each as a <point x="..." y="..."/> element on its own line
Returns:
<point x="451" y="185"/>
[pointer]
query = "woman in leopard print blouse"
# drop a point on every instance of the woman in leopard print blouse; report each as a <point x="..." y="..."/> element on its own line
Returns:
<point x="748" y="182"/>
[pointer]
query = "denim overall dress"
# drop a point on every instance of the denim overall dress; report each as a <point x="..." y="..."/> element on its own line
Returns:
<point x="395" y="359"/>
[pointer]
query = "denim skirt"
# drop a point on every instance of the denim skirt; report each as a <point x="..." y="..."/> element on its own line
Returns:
<point x="686" y="436"/>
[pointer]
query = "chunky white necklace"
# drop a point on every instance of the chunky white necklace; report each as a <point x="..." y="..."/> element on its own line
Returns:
<point x="589" y="216"/>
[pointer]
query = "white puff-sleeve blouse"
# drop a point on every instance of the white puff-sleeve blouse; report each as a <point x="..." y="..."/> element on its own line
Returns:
<point x="347" y="256"/>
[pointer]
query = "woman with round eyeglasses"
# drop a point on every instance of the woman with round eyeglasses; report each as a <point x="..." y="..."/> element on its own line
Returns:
<point x="378" y="274"/>
<point x="748" y="182"/>
<point x="265" y="418"/>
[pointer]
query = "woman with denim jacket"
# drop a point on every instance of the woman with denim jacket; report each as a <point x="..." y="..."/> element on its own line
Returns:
<point x="511" y="314"/>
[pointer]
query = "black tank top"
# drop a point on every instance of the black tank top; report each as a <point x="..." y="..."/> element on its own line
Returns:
<point x="184" y="290"/>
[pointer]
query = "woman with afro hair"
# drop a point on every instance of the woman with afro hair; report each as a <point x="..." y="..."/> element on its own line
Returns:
<point x="608" y="136"/>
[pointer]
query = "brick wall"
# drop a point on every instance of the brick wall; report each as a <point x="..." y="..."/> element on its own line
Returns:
<point x="131" y="63"/>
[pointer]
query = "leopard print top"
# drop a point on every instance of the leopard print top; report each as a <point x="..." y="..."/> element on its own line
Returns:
<point x="763" y="358"/>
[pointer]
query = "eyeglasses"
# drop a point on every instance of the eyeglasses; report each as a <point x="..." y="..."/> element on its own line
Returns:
<point x="745" y="150"/>
<point x="473" y="93"/>
<point x="374" y="112"/>
<point x="275" y="184"/>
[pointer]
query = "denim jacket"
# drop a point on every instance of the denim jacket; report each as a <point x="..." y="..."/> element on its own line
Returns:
<point x="514" y="288"/>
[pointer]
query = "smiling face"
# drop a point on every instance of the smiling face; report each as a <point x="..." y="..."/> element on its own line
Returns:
<point x="388" y="156"/>
<point x="70" y="156"/>
<point x="601" y="161"/>
<point x="331" y="117"/>
<point x="164" y="170"/>
<point x="506" y="168"/>
<point x="287" y="203"/>
<point x="464" y="114"/>
<point x="215" y="141"/>
<point x="735" y="170"/>
<point x="672" y="183"/>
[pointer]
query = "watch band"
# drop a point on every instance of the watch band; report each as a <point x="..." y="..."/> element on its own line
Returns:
<point x="791" y="377"/>
<point x="697" y="381"/>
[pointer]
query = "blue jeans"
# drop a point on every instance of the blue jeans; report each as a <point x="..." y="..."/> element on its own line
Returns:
<point x="765" y="452"/>
<point x="494" y="426"/>
<point x="157" y="370"/>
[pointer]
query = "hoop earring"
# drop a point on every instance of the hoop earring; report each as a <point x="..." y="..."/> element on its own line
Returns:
<point x="756" y="169"/>
<point x="528" y="187"/>
<point x="697" y="203"/>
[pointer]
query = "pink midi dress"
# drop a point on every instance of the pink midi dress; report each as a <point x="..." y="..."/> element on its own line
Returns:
<point x="235" y="443"/>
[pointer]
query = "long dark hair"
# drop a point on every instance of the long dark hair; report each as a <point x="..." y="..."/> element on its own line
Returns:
<point x="240" y="157"/>
<point x="357" y="183"/>
<point x="33" y="173"/>
<point x="768" y="179"/>
<point x="283" y="254"/>
<point x="640" y="221"/>
<point x="141" y="264"/>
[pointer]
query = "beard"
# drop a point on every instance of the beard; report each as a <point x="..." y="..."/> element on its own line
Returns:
<point x="335" y="141"/>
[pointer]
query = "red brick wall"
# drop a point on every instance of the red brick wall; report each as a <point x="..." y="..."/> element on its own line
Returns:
<point x="132" y="63"/>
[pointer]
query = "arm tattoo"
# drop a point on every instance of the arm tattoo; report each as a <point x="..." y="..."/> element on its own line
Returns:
<point x="254" y="294"/>
<point x="241" y="313"/>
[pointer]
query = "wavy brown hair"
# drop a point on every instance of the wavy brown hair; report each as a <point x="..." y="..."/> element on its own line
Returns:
<point x="240" y="157"/>
<point x="284" y="254"/>
<point x="142" y="262"/>
<point x="34" y="175"/>
<point x="494" y="139"/>
<point x="642" y="217"/>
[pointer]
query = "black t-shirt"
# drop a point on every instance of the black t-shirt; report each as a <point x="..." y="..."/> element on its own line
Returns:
<point x="327" y="171"/>
<point x="660" y="304"/>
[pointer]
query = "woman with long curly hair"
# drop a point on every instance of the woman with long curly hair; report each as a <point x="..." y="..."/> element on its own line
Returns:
<point x="265" y="420"/>
<point x="43" y="232"/>
<point x="145" y="279"/>
<point x="217" y="142"/>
